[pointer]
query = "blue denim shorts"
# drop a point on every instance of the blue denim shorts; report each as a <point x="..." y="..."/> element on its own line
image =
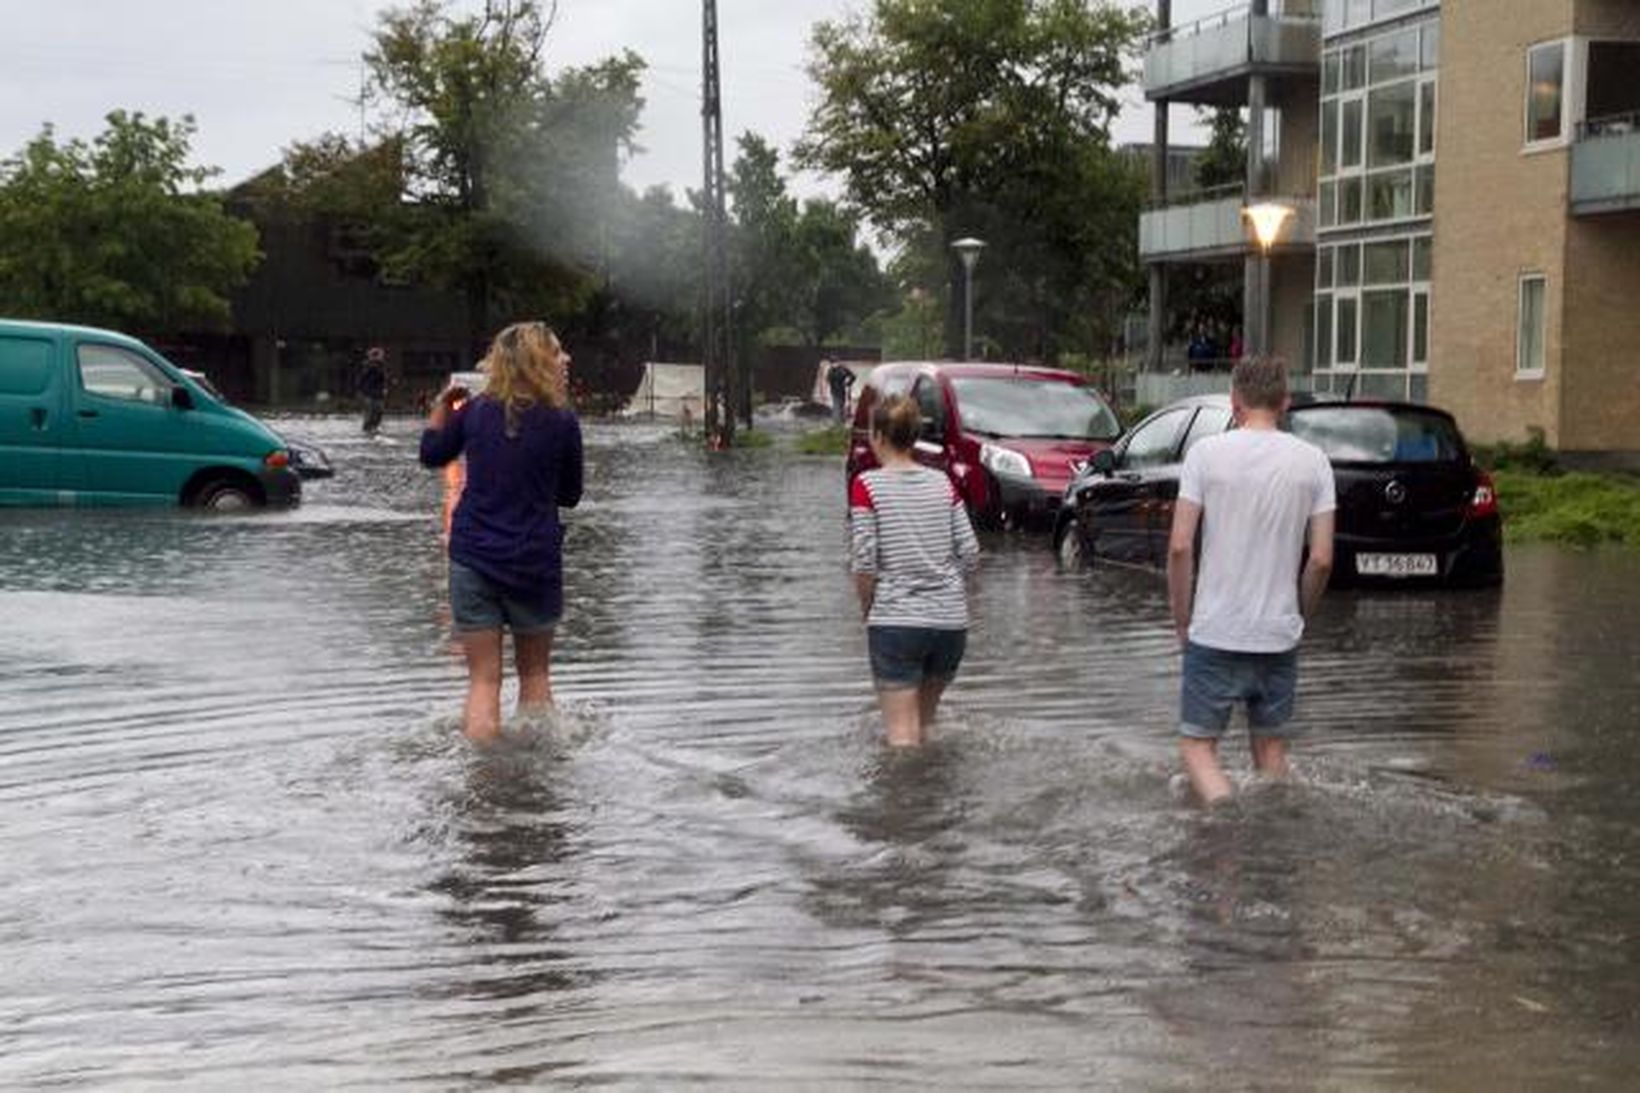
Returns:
<point x="906" y="656"/>
<point x="1216" y="679"/>
<point x="478" y="603"/>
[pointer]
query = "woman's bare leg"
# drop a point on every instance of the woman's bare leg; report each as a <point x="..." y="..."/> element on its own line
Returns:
<point x="901" y="716"/>
<point x="928" y="701"/>
<point x="481" y="718"/>
<point x="532" y="653"/>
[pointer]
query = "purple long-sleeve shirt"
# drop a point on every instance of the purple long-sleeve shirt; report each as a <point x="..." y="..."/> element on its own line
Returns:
<point x="506" y="524"/>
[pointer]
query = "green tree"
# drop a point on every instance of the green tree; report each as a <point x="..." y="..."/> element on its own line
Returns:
<point x="502" y="164"/>
<point x="947" y="118"/>
<point x="1224" y="161"/>
<point x="119" y="232"/>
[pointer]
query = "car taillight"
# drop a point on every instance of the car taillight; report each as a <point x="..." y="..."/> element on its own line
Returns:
<point x="276" y="459"/>
<point x="1484" y="501"/>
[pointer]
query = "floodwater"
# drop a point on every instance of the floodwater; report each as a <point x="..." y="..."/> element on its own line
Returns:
<point x="243" y="841"/>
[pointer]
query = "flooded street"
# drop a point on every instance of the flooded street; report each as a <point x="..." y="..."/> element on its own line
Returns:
<point x="244" y="840"/>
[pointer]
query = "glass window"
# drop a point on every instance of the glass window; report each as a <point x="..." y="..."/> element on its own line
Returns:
<point x="1545" y="90"/>
<point x="1346" y="330"/>
<point x="1430" y="54"/>
<point x="1349" y="265"/>
<point x="1329" y="137"/>
<point x="931" y="405"/>
<point x="1385" y="263"/>
<point x="1354" y="75"/>
<point x="1418" y="387"/>
<point x="1331" y="73"/>
<point x="1420" y="327"/>
<point x="1324" y="267"/>
<point x="1349" y="125"/>
<point x="1379" y="434"/>
<point x="1391" y="124"/>
<point x="1032" y="408"/>
<point x="1210" y="421"/>
<point x="1384" y="329"/>
<point x="113" y="372"/>
<point x="1323" y="330"/>
<point x="1426" y="118"/>
<point x="1426" y="190"/>
<point x="1529" y="344"/>
<point x="1422" y="257"/>
<point x="1153" y="443"/>
<point x="1326" y="198"/>
<point x="1393" y="56"/>
<point x="1357" y="12"/>
<point x="1349" y="201"/>
<point x="1389" y="195"/>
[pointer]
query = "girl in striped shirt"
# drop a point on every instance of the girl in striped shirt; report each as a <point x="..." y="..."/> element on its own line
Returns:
<point x="912" y="546"/>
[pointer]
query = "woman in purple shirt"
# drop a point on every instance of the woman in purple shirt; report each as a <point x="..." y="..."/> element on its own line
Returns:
<point x="523" y="463"/>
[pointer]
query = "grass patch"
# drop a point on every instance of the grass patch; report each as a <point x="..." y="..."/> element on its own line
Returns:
<point x="832" y="441"/>
<point x="753" y="438"/>
<point x="1583" y="510"/>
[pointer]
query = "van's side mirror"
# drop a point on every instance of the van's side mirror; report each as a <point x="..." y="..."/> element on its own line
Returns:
<point x="1103" y="462"/>
<point x="181" y="398"/>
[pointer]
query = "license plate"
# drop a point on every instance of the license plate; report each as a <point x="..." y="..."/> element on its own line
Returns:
<point x="1396" y="565"/>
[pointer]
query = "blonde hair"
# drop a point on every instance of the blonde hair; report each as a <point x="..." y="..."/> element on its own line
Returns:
<point x="1260" y="382"/>
<point x="898" y="421"/>
<point x="525" y="367"/>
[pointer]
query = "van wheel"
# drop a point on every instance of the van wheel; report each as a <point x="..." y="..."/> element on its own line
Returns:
<point x="225" y="495"/>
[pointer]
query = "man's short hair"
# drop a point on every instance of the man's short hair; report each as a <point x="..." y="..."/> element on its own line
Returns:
<point x="1260" y="382"/>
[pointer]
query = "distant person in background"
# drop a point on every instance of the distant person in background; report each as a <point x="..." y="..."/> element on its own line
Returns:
<point x="523" y="463"/>
<point x="839" y="379"/>
<point x="373" y="387"/>
<point x="912" y="547"/>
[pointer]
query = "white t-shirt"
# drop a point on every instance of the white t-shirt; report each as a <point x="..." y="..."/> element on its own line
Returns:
<point x="1258" y="489"/>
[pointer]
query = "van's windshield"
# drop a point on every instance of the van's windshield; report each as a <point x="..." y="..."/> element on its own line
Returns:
<point x="1023" y="407"/>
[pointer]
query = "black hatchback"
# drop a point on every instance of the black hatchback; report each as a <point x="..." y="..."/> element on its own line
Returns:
<point x="1412" y="504"/>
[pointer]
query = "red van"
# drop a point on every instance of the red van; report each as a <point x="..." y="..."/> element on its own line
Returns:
<point x="1010" y="436"/>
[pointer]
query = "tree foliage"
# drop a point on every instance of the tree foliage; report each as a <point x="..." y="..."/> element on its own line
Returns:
<point x="947" y="118"/>
<point x="1224" y="161"/>
<point x="118" y="232"/>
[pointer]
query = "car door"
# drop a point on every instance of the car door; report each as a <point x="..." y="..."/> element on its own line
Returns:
<point x="31" y="419"/>
<point x="1163" y="482"/>
<point x="130" y="443"/>
<point x="1118" y="515"/>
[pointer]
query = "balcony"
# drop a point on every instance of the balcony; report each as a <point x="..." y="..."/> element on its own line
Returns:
<point x="1207" y="62"/>
<point x="1606" y="166"/>
<point x="1208" y="226"/>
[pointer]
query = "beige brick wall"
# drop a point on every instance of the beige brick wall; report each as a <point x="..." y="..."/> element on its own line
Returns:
<point x="1499" y="213"/>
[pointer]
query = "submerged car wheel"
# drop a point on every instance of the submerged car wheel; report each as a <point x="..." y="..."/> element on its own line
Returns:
<point x="1069" y="548"/>
<point x="226" y="495"/>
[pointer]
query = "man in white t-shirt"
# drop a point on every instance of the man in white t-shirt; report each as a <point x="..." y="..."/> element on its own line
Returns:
<point x="1256" y="494"/>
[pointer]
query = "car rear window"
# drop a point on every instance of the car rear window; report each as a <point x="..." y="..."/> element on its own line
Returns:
<point x="1004" y="406"/>
<point x="1378" y="434"/>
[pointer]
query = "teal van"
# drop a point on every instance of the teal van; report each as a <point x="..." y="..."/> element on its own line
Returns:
<point x="91" y="417"/>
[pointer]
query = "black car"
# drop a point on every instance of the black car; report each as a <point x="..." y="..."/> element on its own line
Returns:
<point x="1412" y="504"/>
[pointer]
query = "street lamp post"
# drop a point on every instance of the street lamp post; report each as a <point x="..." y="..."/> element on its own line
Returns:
<point x="968" y="250"/>
<point x="1267" y="219"/>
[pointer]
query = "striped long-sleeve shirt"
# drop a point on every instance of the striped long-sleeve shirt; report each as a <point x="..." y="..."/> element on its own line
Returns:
<point x="910" y="530"/>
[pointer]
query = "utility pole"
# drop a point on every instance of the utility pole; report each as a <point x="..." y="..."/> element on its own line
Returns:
<point x="722" y="388"/>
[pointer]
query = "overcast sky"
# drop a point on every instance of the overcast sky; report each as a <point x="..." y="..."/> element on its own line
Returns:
<point x="258" y="74"/>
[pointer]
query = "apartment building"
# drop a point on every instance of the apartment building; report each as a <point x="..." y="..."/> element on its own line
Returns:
<point x="1509" y="293"/>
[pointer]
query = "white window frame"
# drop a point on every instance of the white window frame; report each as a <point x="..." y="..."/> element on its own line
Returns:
<point x="1574" y="68"/>
<point x="1521" y="372"/>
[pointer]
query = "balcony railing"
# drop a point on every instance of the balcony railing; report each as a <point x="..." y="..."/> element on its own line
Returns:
<point x="1208" y="224"/>
<point x="1606" y="165"/>
<point x="1203" y="56"/>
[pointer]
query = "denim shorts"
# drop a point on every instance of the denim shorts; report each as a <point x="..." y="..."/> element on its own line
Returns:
<point x="906" y="656"/>
<point x="478" y="603"/>
<point x="1216" y="679"/>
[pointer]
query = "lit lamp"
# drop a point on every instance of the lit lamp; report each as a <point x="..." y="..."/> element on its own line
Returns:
<point x="968" y="250"/>
<point x="1267" y="218"/>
